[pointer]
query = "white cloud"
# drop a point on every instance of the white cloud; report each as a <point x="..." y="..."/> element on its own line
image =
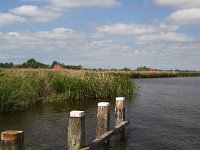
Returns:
<point x="166" y="27"/>
<point x="52" y="11"/>
<point x="69" y="46"/>
<point x="61" y="35"/>
<point x="97" y="36"/>
<point x="84" y="3"/>
<point x="135" y="29"/>
<point x="57" y="44"/>
<point x="100" y="43"/>
<point x="142" y="33"/>
<point x="179" y="3"/>
<point x="186" y="16"/>
<point x="61" y="30"/>
<point x="6" y="19"/>
<point x="162" y="37"/>
<point x="15" y="34"/>
<point x="126" y="29"/>
<point x="35" y="14"/>
<point x="27" y="10"/>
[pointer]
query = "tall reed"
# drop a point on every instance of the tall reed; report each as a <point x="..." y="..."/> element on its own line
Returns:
<point x="20" y="89"/>
<point x="156" y="74"/>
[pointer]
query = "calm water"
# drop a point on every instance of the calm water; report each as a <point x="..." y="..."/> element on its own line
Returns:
<point x="165" y="115"/>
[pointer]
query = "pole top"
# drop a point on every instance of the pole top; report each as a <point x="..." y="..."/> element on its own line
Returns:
<point x="103" y="104"/>
<point x="11" y="135"/>
<point x="120" y="98"/>
<point x="77" y="113"/>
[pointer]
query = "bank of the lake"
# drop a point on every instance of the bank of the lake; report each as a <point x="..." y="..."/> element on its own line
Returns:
<point x="164" y="116"/>
<point x="157" y="74"/>
<point x="23" y="88"/>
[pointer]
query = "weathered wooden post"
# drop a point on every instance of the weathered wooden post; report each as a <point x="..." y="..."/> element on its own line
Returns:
<point x="76" y="130"/>
<point x="119" y="114"/>
<point x="119" y="110"/>
<point x="103" y="118"/>
<point x="12" y="140"/>
<point x="103" y="132"/>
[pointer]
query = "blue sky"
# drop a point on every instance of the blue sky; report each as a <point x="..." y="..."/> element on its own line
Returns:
<point x="163" y="34"/>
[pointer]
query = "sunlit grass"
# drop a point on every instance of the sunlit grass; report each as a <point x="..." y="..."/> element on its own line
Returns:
<point x="21" y="88"/>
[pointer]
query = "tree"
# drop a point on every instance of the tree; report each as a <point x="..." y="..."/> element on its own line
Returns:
<point x="126" y="69"/>
<point x="32" y="63"/>
<point x="6" y="65"/>
<point x="143" y="68"/>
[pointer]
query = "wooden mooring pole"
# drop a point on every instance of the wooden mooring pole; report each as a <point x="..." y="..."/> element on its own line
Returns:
<point x="103" y="118"/>
<point x="119" y="115"/>
<point x="119" y="110"/>
<point x="12" y="140"/>
<point x="76" y="130"/>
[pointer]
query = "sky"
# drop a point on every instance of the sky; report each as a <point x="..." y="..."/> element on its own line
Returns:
<point x="163" y="34"/>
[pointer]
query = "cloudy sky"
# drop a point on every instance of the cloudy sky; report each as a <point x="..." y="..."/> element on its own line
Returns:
<point x="164" y="34"/>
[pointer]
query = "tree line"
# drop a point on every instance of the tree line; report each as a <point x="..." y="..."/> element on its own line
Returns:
<point x="32" y="63"/>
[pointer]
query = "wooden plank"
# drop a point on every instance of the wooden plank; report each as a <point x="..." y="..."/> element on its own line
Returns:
<point x="106" y="136"/>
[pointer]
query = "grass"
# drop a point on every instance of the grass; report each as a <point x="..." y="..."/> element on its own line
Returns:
<point x="22" y="88"/>
<point x="156" y="74"/>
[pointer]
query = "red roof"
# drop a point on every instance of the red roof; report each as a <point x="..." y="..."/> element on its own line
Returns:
<point x="57" y="67"/>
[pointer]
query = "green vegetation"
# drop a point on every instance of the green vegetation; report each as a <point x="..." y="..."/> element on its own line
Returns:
<point x="153" y="74"/>
<point x="188" y="74"/>
<point x="156" y="74"/>
<point x="143" y="68"/>
<point x="22" y="88"/>
<point x="32" y="63"/>
<point x="79" y="67"/>
<point x="140" y="72"/>
<point x="6" y="65"/>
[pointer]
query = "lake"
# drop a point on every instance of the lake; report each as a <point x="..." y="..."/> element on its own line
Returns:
<point x="164" y="115"/>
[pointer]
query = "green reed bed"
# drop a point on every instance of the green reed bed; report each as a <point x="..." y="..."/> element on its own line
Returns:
<point x="154" y="74"/>
<point x="188" y="74"/>
<point x="20" y="89"/>
<point x="157" y="74"/>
